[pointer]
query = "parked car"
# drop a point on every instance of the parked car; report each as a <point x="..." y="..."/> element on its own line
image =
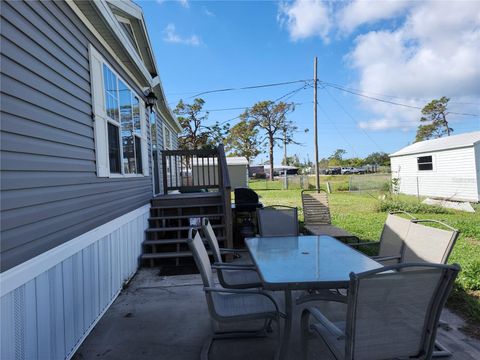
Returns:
<point x="347" y="170"/>
<point x="333" y="171"/>
<point x="360" y="170"/>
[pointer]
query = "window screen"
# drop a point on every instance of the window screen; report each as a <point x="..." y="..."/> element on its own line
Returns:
<point x="114" y="148"/>
<point x="425" y="163"/>
<point x="138" y="154"/>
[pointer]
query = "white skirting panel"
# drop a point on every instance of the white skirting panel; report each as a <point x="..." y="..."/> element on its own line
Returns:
<point x="50" y="313"/>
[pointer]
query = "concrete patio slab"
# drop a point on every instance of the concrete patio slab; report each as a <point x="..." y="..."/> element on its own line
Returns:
<point x="158" y="317"/>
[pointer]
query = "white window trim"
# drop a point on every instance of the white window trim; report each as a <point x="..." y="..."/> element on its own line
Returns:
<point x="433" y="163"/>
<point x="170" y="132"/>
<point x="121" y="19"/>
<point x="101" y="120"/>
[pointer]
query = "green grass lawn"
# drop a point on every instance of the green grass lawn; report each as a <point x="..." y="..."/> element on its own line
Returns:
<point x="358" y="213"/>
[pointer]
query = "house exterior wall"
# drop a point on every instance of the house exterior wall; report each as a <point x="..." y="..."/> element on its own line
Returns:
<point x="47" y="311"/>
<point x="50" y="192"/>
<point x="454" y="175"/>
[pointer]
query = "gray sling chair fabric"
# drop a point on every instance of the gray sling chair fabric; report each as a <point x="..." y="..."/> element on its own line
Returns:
<point x="231" y="275"/>
<point x="278" y="220"/>
<point x="317" y="218"/>
<point x="389" y="315"/>
<point x="405" y="240"/>
<point x="428" y="244"/>
<point x="392" y="239"/>
<point x="231" y="305"/>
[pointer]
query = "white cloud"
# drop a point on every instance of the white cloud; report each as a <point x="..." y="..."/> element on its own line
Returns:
<point x="433" y="53"/>
<point x="305" y="18"/>
<point x="420" y="50"/>
<point x="208" y="12"/>
<point x="184" y="3"/>
<point x="170" y="35"/>
<point x="359" y="12"/>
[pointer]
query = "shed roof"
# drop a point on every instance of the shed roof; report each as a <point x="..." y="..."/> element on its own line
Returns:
<point x="449" y="142"/>
<point x="236" y="160"/>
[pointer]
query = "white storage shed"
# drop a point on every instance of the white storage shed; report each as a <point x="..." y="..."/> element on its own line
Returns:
<point x="238" y="171"/>
<point x="445" y="168"/>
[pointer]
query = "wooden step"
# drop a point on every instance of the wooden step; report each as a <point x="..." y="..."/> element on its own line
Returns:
<point x="174" y="217"/>
<point x="161" y="207"/>
<point x="174" y="241"/>
<point x="177" y="228"/>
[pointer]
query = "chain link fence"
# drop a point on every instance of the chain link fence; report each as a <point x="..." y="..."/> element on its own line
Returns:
<point x="329" y="183"/>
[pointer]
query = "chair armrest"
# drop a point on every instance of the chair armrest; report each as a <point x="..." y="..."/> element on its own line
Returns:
<point x="363" y="243"/>
<point x="386" y="258"/>
<point x="230" y="267"/>
<point x="238" y="266"/>
<point x="325" y="295"/>
<point x="247" y="292"/>
<point x="327" y="324"/>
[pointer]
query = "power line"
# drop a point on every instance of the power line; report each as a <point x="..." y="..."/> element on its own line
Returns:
<point x="338" y="131"/>
<point x="386" y="101"/>
<point x="249" y="87"/>
<point x="287" y="96"/>
<point x="392" y="96"/>
<point x="351" y="117"/>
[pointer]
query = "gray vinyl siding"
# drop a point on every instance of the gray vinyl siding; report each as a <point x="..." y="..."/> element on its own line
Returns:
<point x="50" y="192"/>
<point x="174" y="137"/>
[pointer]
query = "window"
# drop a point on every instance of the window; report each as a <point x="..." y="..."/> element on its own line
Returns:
<point x="113" y="149"/>
<point x="167" y="138"/>
<point x="425" y="163"/>
<point x="153" y="129"/>
<point x="120" y="127"/>
<point x="123" y="110"/>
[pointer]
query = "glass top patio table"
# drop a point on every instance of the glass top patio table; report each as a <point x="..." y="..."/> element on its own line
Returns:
<point x="306" y="262"/>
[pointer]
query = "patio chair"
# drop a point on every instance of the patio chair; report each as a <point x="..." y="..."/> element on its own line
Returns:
<point x="392" y="239"/>
<point x="231" y="275"/>
<point x="389" y="314"/>
<point x="428" y="244"/>
<point x="231" y="305"/>
<point x="278" y="220"/>
<point x="317" y="218"/>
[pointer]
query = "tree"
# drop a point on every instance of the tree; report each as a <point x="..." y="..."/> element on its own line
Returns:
<point x="195" y="135"/>
<point x="272" y="118"/>
<point x="242" y="140"/>
<point x="435" y="119"/>
<point x="336" y="158"/>
<point x="292" y="161"/>
<point x="377" y="158"/>
<point x="218" y="134"/>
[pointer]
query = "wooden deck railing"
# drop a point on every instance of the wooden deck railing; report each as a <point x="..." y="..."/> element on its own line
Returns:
<point x="226" y="190"/>
<point x="190" y="170"/>
<point x="197" y="170"/>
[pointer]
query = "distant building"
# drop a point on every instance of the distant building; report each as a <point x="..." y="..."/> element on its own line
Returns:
<point x="256" y="171"/>
<point x="280" y="169"/>
<point x="446" y="168"/>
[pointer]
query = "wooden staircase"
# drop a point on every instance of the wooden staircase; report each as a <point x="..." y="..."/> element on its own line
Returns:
<point x="169" y="223"/>
<point x="172" y="214"/>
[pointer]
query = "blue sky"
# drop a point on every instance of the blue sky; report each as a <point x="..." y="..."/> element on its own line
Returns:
<point x="406" y="52"/>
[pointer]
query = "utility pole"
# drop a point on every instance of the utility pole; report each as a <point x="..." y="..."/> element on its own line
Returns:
<point x="315" y="130"/>
<point x="285" y="145"/>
